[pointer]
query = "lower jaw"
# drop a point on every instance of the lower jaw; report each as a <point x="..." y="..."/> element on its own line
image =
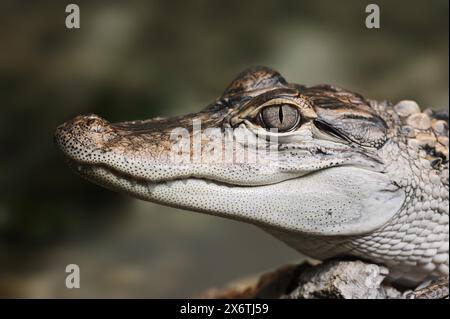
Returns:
<point x="300" y="205"/>
<point x="112" y="179"/>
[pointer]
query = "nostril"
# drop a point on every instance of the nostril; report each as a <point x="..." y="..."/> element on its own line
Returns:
<point x="97" y="129"/>
<point x="94" y="126"/>
<point x="94" y="123"/>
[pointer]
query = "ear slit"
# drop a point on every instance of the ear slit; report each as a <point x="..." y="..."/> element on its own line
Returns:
<point x="324" y="126"/>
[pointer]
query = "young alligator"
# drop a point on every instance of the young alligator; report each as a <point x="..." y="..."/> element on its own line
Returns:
<point x="338" y="175"/>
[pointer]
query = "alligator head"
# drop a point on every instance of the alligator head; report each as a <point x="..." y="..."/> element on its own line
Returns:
<point x="286" y="157"/>
<point x="319" y="167"/>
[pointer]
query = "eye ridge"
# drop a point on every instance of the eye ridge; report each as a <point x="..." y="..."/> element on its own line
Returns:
<point x="284" y="117"/>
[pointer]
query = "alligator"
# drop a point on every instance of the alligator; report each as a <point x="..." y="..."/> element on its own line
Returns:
<point x="333" y="175"/>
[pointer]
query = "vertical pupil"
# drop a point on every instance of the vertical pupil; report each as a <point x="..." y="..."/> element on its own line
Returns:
<point x="283" y="117"/>
<point x="280" y="114"/>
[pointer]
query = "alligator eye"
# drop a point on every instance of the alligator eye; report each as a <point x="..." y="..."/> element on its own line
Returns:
<point x="283" y="117"/>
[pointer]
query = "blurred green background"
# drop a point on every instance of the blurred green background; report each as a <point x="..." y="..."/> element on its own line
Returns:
<point x="138" y="59"/>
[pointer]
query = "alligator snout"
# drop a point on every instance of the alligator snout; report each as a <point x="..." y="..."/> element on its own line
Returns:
<point x="78" y="138"/>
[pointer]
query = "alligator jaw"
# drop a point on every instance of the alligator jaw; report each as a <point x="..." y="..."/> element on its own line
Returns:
<point x="281" y="187"/>
<point x="349" y="176"/>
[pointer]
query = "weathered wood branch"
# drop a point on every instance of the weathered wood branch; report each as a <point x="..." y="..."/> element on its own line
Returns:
<point x="332" y="279"/>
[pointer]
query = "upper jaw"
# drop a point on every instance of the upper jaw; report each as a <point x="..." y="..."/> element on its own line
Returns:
<point x="141" y="151"/>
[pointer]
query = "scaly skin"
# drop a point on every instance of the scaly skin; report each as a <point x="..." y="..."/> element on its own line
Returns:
<point x="342" y="176"/>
